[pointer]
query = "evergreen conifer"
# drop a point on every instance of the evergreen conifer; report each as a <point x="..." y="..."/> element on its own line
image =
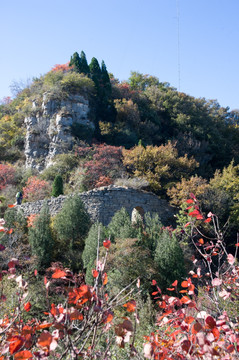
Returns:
<point x="40" y="238"/>
<point x="76" y="62"/>
<point x="57" y="186"/>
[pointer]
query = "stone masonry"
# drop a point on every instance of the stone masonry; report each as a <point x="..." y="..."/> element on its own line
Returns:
<point x="102" y="203"/>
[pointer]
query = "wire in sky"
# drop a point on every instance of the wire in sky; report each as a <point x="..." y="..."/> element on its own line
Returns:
<point x="179" y="65"/>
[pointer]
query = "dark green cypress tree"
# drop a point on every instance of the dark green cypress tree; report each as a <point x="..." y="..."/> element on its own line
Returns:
<point x="72" y="224"/>
<point x="41" y="239"/>
<point x="57" y="186"/>
<point x="95" y="68"/>
<point x="169" y="259"/>
<point x="76" y="62"/>
<point x="105" y="75"/>
<point x="84" y="64"/>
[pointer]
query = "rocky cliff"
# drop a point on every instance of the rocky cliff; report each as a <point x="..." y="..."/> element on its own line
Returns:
<point x="49" y="128"/>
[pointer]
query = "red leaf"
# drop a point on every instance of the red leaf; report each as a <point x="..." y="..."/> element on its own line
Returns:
<point x="16" y="343"/>
<point x="196" y="328"/>
<point x="154" y="282"/>
<point x="27" y="306"/>
<point x="23" y="355"/>
<point x="95" y="273"/>
<point x="35" y="272"/>
<point x="2" y="247"/>
<point x="189" y="201"/>
<point x="130" y="306"/>
<point x="175" y="283"/>
<point x="107" y="243"/>
<point x="170" y="289"/>
<point x="194" y="213"/>
<point x="45" y="339"/>
<point x="58" y="274"/>
<point x="211" y="323"/>
<point x="208" y="220"/>
<point x="230" y="348"/>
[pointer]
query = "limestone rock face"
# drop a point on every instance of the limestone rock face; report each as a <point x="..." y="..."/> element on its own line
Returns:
<point x="48" y="129"/>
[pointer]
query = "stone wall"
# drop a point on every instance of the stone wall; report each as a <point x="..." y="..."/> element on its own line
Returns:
<point x="103" y="203"/>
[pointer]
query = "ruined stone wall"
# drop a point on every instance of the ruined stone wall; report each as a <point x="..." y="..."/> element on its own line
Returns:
<point x="103" y="203"/>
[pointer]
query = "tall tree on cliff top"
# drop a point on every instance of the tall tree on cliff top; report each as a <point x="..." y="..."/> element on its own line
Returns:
<point x="84" y="67"/>
<point x="75" y="62"/>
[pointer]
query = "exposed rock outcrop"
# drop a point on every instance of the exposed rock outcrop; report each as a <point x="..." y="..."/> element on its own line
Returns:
<point x="49" y="128"/>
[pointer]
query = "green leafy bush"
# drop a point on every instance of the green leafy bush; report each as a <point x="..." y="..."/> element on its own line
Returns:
<point x="41" y="239"/>
<point x="71" y="225"/>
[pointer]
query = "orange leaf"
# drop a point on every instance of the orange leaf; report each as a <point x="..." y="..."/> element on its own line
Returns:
<point x="107" y="316"/>
<point x="11" y="205"/>
<point x="201" y="241"/>
<point x="208" y="220"/>
<point x="76" y="315"/>
<point x="184" y="283"/>
<point x="44" y="326"/>
<point x="107" y="243"/>
<point x="10" y="231"/>
<point x="95" y="273"/>
<point x="185" y="300"/>
<point x="189" y="319"/>
<point x="58" y="274"/>
<point x="130" y="306"/>
<point x="45" y="339"/>
<point x="23" y="355"/>
<point x="105" y="279"/>
<point x="27" y="306"/>
<point x="170" y="289"/>
<point x="16" y="343"/>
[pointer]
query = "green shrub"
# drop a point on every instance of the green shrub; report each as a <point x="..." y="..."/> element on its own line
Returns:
<point x="169" y="259"/>
<point x="71" y="225"/>
<point x="77" y="84"/>
<point x="120" y="226"/>
<point x="41" y="239"/>
<point x="57" y="186"/>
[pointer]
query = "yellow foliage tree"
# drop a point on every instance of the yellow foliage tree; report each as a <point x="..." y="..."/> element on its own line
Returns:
<point x="159" y="165"/>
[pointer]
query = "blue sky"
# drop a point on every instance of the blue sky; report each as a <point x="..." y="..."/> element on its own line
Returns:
<point x="129" y="35"/>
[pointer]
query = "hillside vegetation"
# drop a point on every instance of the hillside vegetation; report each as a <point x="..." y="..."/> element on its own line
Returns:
<point x="73" y="289"/>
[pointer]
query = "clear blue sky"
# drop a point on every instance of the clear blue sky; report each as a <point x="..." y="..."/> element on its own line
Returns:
<point x="138" y="35"/>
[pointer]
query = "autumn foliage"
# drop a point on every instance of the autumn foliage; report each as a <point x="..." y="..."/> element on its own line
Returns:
<point x="7" y="175"/>
<point x="36" y="189"/>
<point x="197" y="318"/>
